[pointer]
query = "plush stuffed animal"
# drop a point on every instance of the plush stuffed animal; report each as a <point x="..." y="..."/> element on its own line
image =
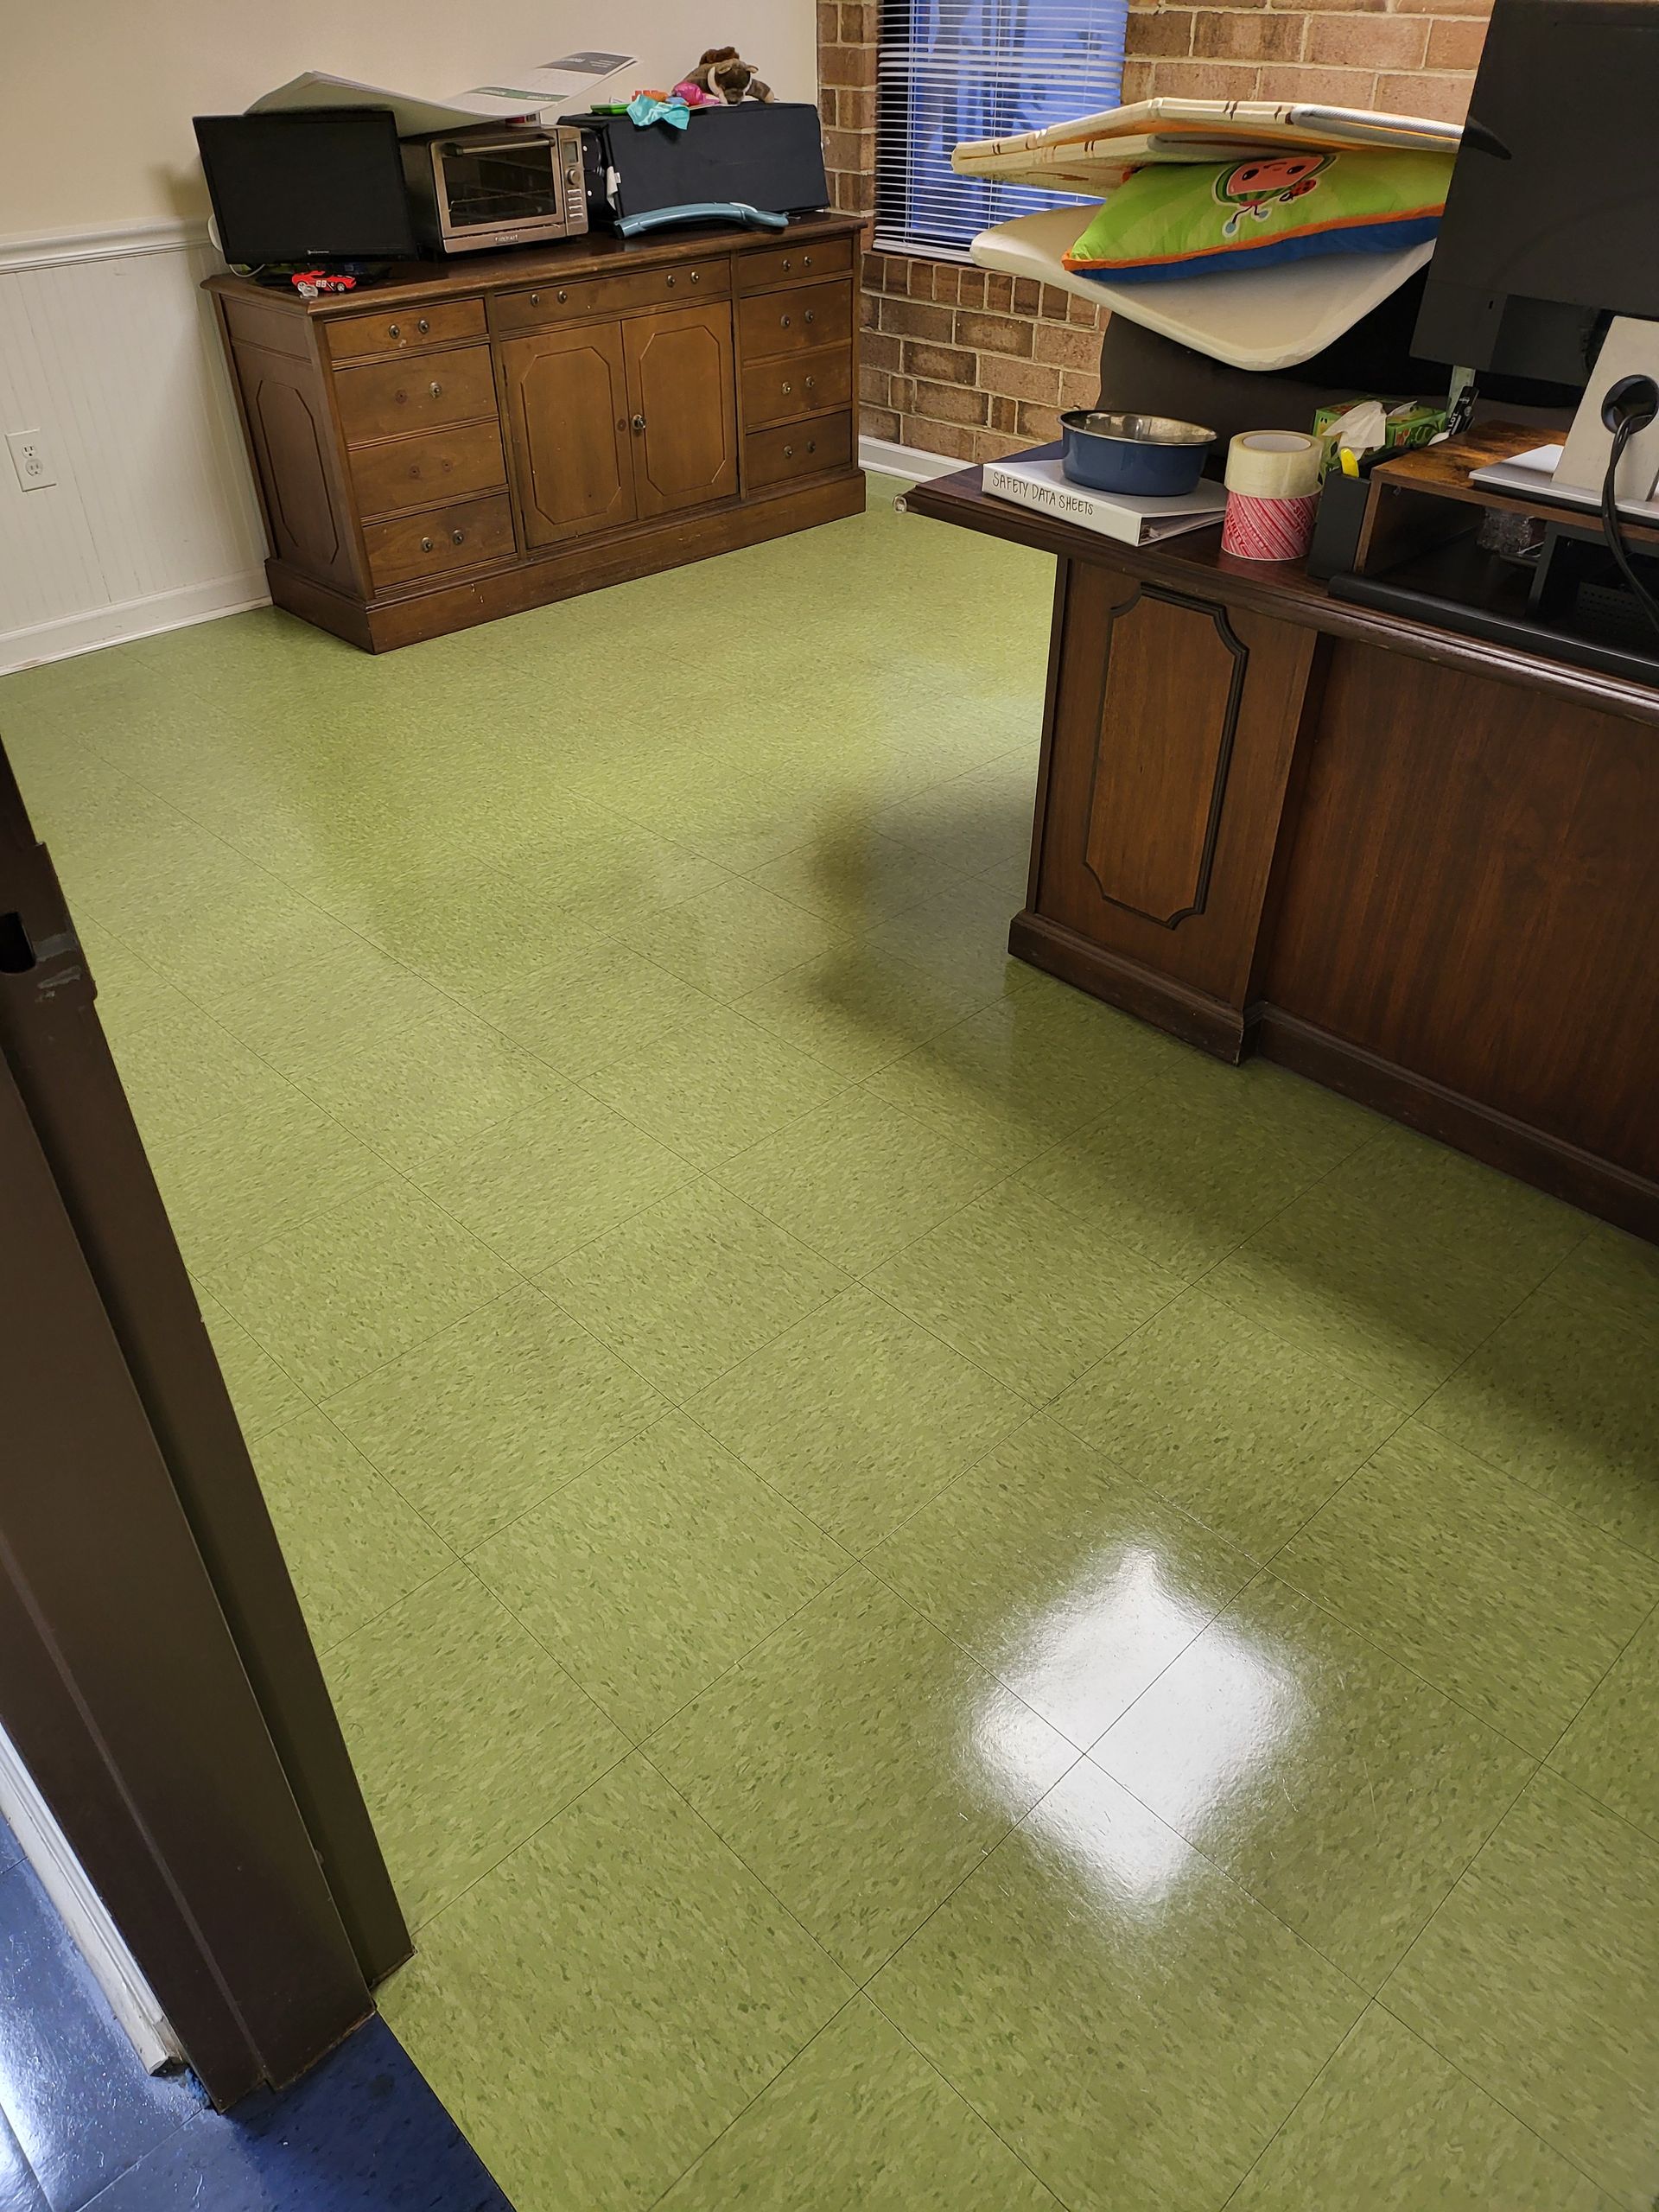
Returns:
<point x="722" y="75"/>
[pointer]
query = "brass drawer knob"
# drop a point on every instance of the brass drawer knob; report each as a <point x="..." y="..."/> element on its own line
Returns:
<point x="394" y="330"/>
<point x="789" y="453"/>
<point x="696" y="275"/>
<point x="807" y="261"/>
<point x="436" y="389"/>
<point x="783" y="322"/>
<point x="672" y="282"/>
<point x="812" y="384"/>
<point x="786" y="389"/>
<point x="423" y="326"/>
<point x="788" y="265"/>
<point x="426" y="545"/>
<point x="639" y="422"/>
<point x="457" y="538"/>
<point x="811" y="445"/>
<point x="811" y="316"/>
<point x="563" y="296"/>
<point x="535" y="299"/>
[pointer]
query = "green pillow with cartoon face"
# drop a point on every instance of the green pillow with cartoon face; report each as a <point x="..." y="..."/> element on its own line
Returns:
<point x="1181" y="218"/>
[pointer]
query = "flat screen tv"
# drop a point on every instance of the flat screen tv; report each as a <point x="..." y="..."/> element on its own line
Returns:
<point x="307" y="184"/>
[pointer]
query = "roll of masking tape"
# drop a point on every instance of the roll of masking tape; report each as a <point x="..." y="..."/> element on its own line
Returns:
<point x="1273" y="464"/>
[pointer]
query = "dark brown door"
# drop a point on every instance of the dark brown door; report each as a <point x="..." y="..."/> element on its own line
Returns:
<point x="156" y="1674"/>
<point x="566" y="395"/>
<point x="681" y="396"/>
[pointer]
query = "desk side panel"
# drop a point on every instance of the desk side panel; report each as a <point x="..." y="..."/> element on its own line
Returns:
<point x="1173" y="727"/>
<point x="1469" y="896"/>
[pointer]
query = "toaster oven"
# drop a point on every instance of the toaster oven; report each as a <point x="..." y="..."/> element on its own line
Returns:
<point x="470" y="189"/>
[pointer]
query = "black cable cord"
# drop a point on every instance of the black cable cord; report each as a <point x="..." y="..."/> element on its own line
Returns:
<point x="1611" y="523"/>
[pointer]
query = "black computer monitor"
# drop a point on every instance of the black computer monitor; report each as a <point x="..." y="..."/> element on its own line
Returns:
<point x="1552" y="222"/>
<point x="307" y="184"/>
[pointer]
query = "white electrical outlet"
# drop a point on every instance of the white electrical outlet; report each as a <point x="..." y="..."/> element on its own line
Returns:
<point x="30" y="459"/>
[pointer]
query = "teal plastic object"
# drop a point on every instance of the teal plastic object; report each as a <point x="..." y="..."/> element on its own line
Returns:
<point x="703" y="211"/>
<point x="642" y="110"/>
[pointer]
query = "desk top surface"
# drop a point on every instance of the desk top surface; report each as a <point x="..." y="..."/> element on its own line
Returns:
<point x="594" y="253"/>
<point x="1196" y="564"/>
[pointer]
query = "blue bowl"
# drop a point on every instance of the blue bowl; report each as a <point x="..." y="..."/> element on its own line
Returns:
<point x="1150" y="455"/>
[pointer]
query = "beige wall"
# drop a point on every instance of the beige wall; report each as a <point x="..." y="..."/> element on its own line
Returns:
<point x="96" y="96"/>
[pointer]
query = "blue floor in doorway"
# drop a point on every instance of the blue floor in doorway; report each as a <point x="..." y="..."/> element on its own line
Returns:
<point x="81" y="2124"/>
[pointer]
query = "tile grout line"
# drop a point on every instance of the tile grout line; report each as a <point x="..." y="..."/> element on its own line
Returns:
<point x="1324" y="2067"/>
<point x="1221" y="1874"/>
<point x="736" y="2118"/>
<point x="1484" y="2089"/>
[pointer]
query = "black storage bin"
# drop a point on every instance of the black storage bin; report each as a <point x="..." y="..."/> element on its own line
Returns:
<point x="767" y="154"/>
<point x="1337" y="525"/>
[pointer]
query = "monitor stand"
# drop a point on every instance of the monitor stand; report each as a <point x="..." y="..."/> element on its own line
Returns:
<point x="1630" y="350"/>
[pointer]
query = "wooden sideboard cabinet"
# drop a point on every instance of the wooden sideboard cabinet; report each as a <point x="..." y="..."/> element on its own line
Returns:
<point x="482" y="435"/>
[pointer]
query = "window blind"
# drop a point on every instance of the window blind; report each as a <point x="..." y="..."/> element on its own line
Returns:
<point x="955" y="69"/>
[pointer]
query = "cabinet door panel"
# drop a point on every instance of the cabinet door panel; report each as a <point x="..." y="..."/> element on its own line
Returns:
<point x="681" y="387"/>
<point x="567" y="420"/>
<point x="1173" y="725"/>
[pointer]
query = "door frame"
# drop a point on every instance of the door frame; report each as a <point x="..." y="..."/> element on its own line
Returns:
<point x="157" y="1676"/>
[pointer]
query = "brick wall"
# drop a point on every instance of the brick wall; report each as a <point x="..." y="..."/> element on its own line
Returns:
<point x="962" y="362"/>
<point x="1415" y="57"/>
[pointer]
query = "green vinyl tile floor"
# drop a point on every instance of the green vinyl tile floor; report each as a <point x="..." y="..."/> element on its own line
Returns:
<point x="942" y="1603"/>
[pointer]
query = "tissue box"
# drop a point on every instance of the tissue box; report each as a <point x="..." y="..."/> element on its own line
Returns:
<point x="1413" y="424"/>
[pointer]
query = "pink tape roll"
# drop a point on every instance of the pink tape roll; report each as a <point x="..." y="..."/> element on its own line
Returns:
<point x="1268" y="530"/>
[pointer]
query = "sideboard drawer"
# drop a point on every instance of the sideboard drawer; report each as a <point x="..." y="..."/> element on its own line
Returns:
<point x="447" y="538"/>
<point x="755" y="272"/>
<point x="419" y="472"/>
<point x="802" y="450"/>
<point x="791" y="322"/>
<point x="804" y="384"/>
<point x="425" y="392"/>
<point x="687" y="282"/>
<point x="402" y="330"/>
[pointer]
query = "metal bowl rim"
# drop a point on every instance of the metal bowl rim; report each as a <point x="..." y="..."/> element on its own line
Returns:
<point x="1149" y="430"/>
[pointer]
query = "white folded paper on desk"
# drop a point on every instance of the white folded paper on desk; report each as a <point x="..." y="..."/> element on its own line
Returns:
<point x="1531" y="475"/>
<point x="521" y="93"/>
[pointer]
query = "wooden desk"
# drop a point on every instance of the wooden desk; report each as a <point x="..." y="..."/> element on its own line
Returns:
<point x="486" y="434"/>
<point x="1412" y="865"/>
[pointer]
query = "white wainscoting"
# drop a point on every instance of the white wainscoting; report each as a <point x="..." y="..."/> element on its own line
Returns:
<point x="107" y="347"/>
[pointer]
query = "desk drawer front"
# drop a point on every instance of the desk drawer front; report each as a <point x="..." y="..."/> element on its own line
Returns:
<point x="687" y="283"/>
<point x="430" y="544"/>
<point x="794" y="323"/>
<point x="419" y="471"/>
<point x="808" y="384"/>
<point x="427" y="392"/>
<point x="402" y="330"/>
<point x="756" y="271"/>
<point x="802" y="450"/>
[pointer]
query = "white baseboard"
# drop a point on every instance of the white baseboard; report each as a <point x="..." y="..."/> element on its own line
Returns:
<point x="176" y="610"/>
<point x="84" y="1913"/>
<point x="133" y="618"/>
<point x="887" y="459"/>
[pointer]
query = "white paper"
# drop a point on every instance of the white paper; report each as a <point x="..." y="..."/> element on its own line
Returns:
<point x="522" y="93"/>
<point x="1532" y="475"/>
<point x="550" y="84"/>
